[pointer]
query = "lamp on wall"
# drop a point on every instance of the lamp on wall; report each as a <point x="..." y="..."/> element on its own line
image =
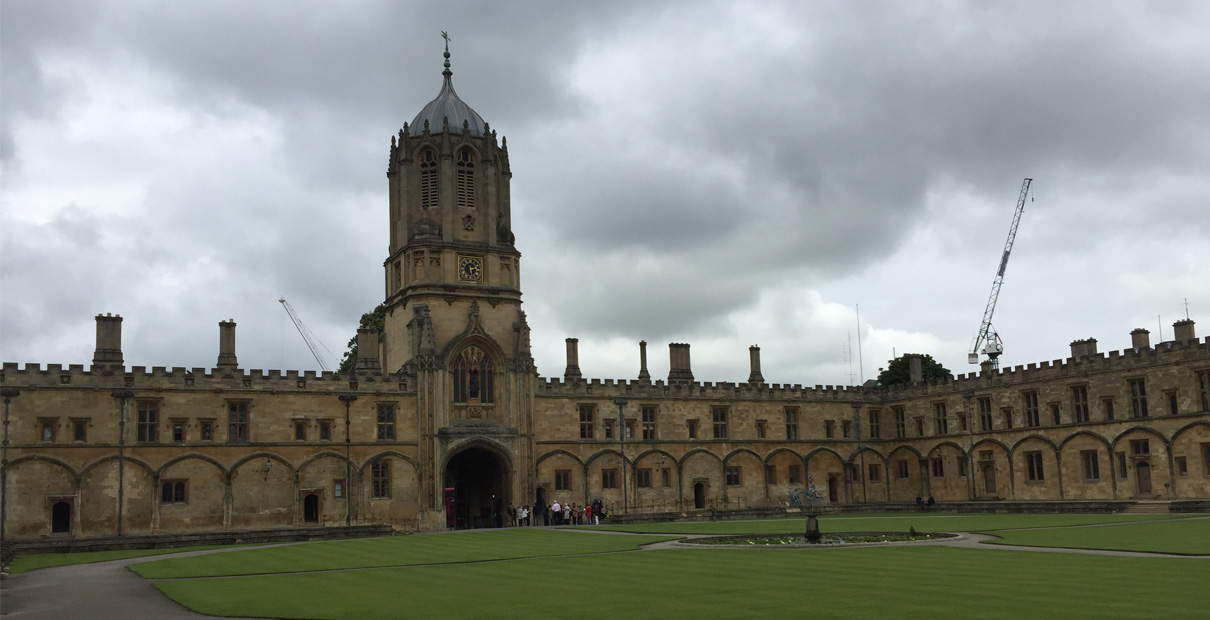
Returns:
<point x="267" y="466"/>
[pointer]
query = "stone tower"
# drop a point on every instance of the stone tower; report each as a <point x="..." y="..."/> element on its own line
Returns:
<point x="453" y="307"/>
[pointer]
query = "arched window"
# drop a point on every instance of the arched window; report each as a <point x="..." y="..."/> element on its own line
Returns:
<point x="428" y="179"/>
<point x="466" y="179"/>
<point x="473" y="377"/>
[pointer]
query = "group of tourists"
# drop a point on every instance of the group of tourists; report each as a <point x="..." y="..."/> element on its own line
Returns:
<point x="557" y="514"/>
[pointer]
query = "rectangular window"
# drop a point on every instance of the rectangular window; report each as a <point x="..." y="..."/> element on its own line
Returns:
<point x="900" y="422"/>
<point x="607" y="426"/>
<point x="1079" y="403"/>
<point x="796" y="474"/>
<point x="563" y="480"/>
<point x="178" y="431"/>
<point x="380" y="480"/>
<point x="149" y="422"/>
<point x="732" y="475"/>
<point x="206" y="430"/>
<point x="1123" y="471"/>
<point x="691" y="426"/>
<point x="586" y="421"/>
<point x="665" y="478"/>
<point x="1033" y="417"/>
<point x="940" y="419"/>
<point x="846" y="428"/>
<point x="300" y="430"/>
<point x="962" y="467"/>
<point x="1182" y="467"/>
<point x="1033" y="466"/>
<point x="719" y="414"/>
<point x="172" y="492"/>
<point x="938" y="467"/>
<point x="791" y="423"/>
<point x="46" y="428"/>
<point x="1140" y="447"/>
<point x="919" y="427"/>
<point x="79" y="430"/>
<point x="962" y="420"/>
<point x="1138" y="398"/>
<point x="1055" y="414"/>
<point x="325" y="430"/>
<point x="770" y="474"/>
<point x="1107" y="407"/>
<point x="338" y="488"/>
<point x="875" y="473"/>
<point x="1092" y="464"/>
<point x="1203" y="386"/>
<point x="760" y="429"/>
<point x="629" y="429"/>
<point x="1007" y="412"/>
<point x="829" y="428"/>
<point x="649" y="422"/>
<point x="1206" y="457"/>
<point x="985" y="413"/>
<point x="237" y="422"/>
<point x="902" y="465"/>
<point x="386" y="422"/>
<point x="642" y="478"/>
<point x="875" y="417"/>
<point x="609" y="478"/>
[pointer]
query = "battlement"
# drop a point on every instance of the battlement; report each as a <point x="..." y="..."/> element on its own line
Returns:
<point x="722" y="390"/>
<point x="159" y="377"/>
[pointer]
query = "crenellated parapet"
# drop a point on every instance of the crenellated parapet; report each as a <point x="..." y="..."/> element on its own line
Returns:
<point x="719" y="391"/>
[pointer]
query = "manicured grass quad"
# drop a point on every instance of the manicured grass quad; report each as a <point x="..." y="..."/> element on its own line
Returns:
<point x="446" y="579"/>
<point x="1191" y="536"/>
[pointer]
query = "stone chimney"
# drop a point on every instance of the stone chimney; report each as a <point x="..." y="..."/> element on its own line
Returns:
<point x="643" y="374"/>
<point x="109" y="341"/>
<point x="572" y="373"/>
<point x="1140" y="339"/>
<point x="915" y="367"/>
<point x="367" y="350"/>
<point x="1183" y="331"/>
<point x="1081" y="348"/>
<point x="678" y="363"/>
<point x="754" y="375"/>
<point x="226" y="344"/>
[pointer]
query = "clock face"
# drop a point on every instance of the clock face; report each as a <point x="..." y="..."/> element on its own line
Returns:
<point x="470" y="269"/>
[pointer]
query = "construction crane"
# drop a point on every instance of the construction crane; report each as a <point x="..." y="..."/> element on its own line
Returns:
<point x="987" y="336"/>
<point x="313" y="343"/>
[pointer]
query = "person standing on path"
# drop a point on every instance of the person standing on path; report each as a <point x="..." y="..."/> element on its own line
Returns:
<point x="556" y="512"/>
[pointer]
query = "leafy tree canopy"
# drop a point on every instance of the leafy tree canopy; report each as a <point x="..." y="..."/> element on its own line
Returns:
<point x="899" y="371"/>
<point x="375" y="320"/>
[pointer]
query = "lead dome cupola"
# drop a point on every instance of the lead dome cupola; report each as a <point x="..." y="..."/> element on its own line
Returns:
<point x="447" y="105"/>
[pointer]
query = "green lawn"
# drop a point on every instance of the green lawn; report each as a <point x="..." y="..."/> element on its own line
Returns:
<point x="26" y="563"/>
<point x="395" y="551"/>
<point x="894" y="582"/>
<point x="1187" y="536"/>
<point x="888" y="522"/>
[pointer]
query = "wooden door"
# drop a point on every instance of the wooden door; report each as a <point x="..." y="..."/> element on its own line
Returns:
<point x="1143" y="473"/>
<point x="989" y="479"/>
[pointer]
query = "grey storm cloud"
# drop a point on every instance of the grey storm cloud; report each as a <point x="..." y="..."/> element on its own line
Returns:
<point x="720" y="171"/>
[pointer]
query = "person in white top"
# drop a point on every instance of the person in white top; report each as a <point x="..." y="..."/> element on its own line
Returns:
<point x="556" y="512"/>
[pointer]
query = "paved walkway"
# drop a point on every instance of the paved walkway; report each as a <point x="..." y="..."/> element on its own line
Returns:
<point x="109" y="591"/>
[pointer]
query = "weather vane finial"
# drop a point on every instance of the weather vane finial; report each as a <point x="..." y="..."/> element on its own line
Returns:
<point x="445" y="35"/>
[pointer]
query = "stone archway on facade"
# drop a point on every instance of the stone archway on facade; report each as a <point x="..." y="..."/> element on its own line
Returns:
<point x="479" y="478"/>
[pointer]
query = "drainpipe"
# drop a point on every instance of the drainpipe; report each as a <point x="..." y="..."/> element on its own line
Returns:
<point x="348" y="399"/>
<point x="970" y="445"/>
<point x="122" y="397"/>
<point x="621" y="403"/>
<point x="9" y="394"/>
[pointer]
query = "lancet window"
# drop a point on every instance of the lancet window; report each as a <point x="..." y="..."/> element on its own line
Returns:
<point x="428" y="179"/>
<point x="473" y="382"/>
<point x="466" y="179"/>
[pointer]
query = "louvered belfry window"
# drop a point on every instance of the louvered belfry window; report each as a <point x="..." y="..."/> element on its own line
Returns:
<point x="466" y="179"/>
<point x="428" y="180"/>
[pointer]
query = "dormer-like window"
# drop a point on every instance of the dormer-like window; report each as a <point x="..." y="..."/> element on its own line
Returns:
<point x="473" y="377"/>
<point x="428" y="179"/>
<point x="466" y="179"/>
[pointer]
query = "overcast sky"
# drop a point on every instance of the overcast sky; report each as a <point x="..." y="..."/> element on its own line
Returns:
<point x="723" y="174"/>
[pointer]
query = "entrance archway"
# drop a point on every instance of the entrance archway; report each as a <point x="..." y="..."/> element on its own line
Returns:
<point x="699" y="496"/>
<point x="479" y="478"/>
<point x="60" y="518"/>
<point x="311" y="508"/>
<point x="1142" y="473"/>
